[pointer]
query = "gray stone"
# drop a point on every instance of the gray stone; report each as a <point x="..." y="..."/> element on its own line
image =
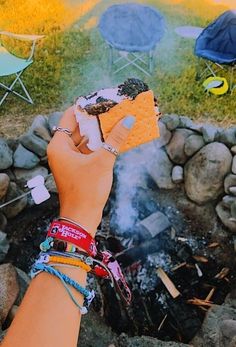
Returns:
<point x="209" y="132"/>
<point x="204" y="173"/>
<point x="186" y="122"/>
<point x="23" y="158"/>
<point x="23" y="175"/>
<point x="5" y="155"/>
<point x="9" y="173"/>
<point x="233" y="149"/>
<point x="13" y="144"/>
<point x="230" y="299"/>
<point x="232" y="190"/>
<point x="51" y="184"/>
<point x="228" y="200"/>
<point x="234" y="165"/>
<point x="227" y="332"/>
<point x="16" y="207"/>
<point x="34" y="143"/>
<point x="228" y="136"/>
<point x="165" y="136"/>
<point x="146" y="341"/>
<point x="160" y="169"/>
<point x="4" y="183"/>
<point x="23" y="281"/>
<point x="233" y="209"/>
<point x="171" y="121"/>
<point x="3" y="221"/>
<point x="177" y="174"/>
<point x="4" y="245"/>
<point x="192" y="144"/>
<point x="9" y="289"/>
<point x="175" y="148"/>
<point x="224" y="215"/>
<point x="40" y="127"/>
<point x="230" y="181"/>
<point x="54" y="119"/>
<point x="155" y="223"/>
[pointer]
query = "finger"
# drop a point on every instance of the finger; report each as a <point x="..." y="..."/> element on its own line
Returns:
<point x="68" y="121"/>
<point x="83" y="148"/>
<point x="116" y="138"/>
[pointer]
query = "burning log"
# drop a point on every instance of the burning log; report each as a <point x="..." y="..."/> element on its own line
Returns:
<point x="168" y="283"/>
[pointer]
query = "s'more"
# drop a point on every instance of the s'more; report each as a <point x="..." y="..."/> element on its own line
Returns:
<point x="98" y="112"/>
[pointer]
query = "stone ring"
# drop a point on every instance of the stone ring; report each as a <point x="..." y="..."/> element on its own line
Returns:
<point x="109" y="148"/>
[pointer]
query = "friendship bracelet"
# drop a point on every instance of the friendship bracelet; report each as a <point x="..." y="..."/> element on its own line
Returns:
<point x="70" y="261"/>
<point x="74" y="234"/>
<point x="42" y="267"/>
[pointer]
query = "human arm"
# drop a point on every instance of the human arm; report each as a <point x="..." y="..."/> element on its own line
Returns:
<point x="47" y="317"/>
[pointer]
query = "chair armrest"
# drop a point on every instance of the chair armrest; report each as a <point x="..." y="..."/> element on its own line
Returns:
<point x="22" y="37"/>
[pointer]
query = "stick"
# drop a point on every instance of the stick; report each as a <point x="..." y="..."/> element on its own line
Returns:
<point x="209" y="296"/>
<point x="176" y="267"/>
<point x="168" y="283"/>
<point x="162" y="322"/>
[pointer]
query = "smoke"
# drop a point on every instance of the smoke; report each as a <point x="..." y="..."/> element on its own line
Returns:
<point x="131" y="175"/>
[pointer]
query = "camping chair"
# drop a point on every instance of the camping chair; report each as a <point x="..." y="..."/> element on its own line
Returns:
<point x="10" y="64"/>
<point x="132" y="32"/>
<point x="217" y="46"/>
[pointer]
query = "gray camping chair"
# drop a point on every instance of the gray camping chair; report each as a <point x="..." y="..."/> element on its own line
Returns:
<point x="10" y="64"/>
<point x="132" y="31"/>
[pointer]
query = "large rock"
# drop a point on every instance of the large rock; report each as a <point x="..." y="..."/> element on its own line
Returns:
<point x="210" y="330"/>
<point x="54" y="119"/>
<point x="228" y="333"/>
<point x="228" y="200"/>
<point x="24" y="281"/>
<point x="16" y="207"/>
<point x="40" y="127"/>
<point x="175" y="148"/>
<point x="186" y="122"/>
<point x="209" y="132"/>
<point x="5" y="155"/>
<point x="165" y="136"/>
<point x="9" y="289"/>
<point x="23" y="175"/>
<point x="192" y="144"/>
<point x="4" y="245"/>
<point x="204" y="173"/>
<point x="234" y="165"/>
<point x="225" y="216"/>
<point x="34" y="143"/>
<point x="4" y="183"/>
<point x="3" y="221"/>
<point x="230" y="181"/>
<point x="228" y="136"/>
<point x="146" y="341"/>
<point x="171" y="121"/>
<point x="25" y="159"/>
<point x="160" y="169"/>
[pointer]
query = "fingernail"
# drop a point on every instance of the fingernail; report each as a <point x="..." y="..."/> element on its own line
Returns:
<point x="128" y="122"/>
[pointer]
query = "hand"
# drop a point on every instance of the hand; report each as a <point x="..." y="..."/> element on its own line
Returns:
<point x="83" y="180"/>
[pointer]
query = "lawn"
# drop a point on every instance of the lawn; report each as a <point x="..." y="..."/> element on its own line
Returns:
<point x="72" y="59"/>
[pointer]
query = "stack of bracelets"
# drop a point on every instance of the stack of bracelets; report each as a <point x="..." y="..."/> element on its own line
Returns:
<point x="69" y="244"/>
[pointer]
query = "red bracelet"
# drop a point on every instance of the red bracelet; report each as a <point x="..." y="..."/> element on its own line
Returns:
<point x="74" y="234"/>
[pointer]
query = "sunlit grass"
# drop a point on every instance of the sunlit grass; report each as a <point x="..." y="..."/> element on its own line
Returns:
<point x="73" y="59"/>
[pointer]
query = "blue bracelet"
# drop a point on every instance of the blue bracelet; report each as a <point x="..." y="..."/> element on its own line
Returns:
<point x="89" y="296"/>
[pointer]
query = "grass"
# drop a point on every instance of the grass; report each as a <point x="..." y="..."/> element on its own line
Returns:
<point x="72" y="60"/>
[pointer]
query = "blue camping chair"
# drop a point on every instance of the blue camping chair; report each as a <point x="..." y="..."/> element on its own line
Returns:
<point x="10" y="64"/>
<point x="217" y="45"/>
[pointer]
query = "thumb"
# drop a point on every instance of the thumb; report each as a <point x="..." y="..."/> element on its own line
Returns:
<point x="120" y="132"/>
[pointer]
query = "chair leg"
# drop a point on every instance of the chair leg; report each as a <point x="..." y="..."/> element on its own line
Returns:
<point x="10" y="90"/>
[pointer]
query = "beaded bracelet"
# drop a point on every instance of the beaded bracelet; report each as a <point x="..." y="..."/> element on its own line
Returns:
<point x="67" y="260"/>
<point x="89" y="296"/>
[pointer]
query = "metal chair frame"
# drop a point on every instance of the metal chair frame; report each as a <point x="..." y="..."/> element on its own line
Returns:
<point x="132" y="58"/>
<point x="18" y="72"/>
<point x="209" y="67"/>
